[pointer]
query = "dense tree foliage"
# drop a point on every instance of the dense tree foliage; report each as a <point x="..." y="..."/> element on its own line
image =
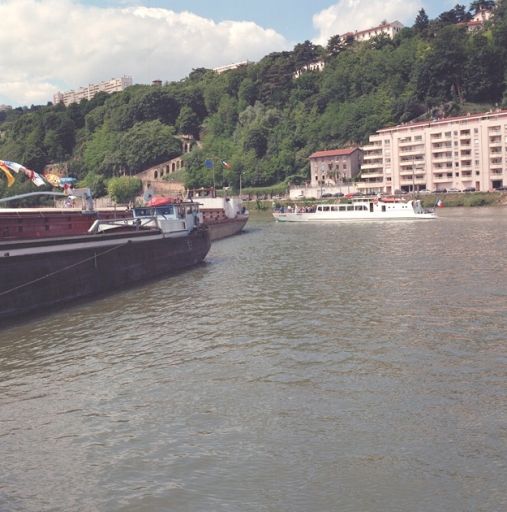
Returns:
<point x="124" y="189"/>
<point x="263" y="120"/>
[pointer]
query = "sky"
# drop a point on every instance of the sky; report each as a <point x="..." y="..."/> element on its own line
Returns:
<point x="59" y="45"/>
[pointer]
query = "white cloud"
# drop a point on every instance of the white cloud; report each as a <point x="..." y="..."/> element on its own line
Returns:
<point x="61" y="44"/>
<point x="350" y="15"/>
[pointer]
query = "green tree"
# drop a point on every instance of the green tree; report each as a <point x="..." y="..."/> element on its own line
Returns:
<point x="147" y="144"/>
<point x="421" y="21"/>
<point x="124" y="188"/>
<point x="188" y="122"/>
<point x="334" y="45"/>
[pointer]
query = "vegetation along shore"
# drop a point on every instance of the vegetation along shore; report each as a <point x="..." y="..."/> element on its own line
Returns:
<point x="259" y="123"/>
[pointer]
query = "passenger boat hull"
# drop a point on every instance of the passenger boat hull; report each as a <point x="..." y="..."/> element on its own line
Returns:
<point x="361" y="209"/>
<point x="313" y="217"/>
<point x="46" y="273"/>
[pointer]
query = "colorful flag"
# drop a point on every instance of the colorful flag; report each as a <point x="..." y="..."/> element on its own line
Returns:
<point x="31" y="175"/>
<point x="226" y="165"/>
<point x="52" y="179"/>
<point x="37" y="179"/>
<point x="8" y="175"/>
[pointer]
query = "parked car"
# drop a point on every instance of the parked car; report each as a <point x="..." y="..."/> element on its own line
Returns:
<point x="338" y="194"/>
<point x="469" y="189"/>
<point x="424" y="191"/>
<point x="327" y="195"/>
<point x="441" y="191"/>
<point x="453" y="189"/>
<point x="503" y="187"/>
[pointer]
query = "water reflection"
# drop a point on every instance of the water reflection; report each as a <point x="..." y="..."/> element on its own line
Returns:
<point x="350" y="367"/>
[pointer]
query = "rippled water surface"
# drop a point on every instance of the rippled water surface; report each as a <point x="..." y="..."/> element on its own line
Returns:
<point x="348" y="367"/>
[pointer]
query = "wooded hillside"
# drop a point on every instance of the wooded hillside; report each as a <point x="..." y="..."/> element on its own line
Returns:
<point x="261" y="119"/>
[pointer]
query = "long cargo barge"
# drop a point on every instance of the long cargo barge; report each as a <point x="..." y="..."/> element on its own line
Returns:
<point x="42" y="273"/>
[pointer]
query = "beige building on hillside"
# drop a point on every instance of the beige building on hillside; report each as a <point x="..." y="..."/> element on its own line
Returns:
<point x="109" y="86"/>
<point x="313" y="66"/>
<point x="155" y="180"/>
<point x="458" y="152"/>
<point x="389" y="29"/>
<point x="334" y="166"/>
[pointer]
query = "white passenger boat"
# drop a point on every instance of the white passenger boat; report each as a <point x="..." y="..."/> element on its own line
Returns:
<point x="360" y="209"/>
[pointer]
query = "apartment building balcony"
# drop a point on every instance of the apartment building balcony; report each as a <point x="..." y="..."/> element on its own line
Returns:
<point x="441" y="146"/>
<point x="465" y="142"/>
<point x="373" y="174"/>
<point x="368" y="184"/>
<point x="415" y="181"/>
<point x="441" y="157"/>
<point x="412" y="152"/>
<point x="466" y="174"/>
<point x="495" y="172"/>
<point x="495" y="129"/>
<point x="372" y="147"/>
<point x="373" y="166"/>
<point x="370" y="181"/>
<point x="407" y="145"/>
<point x="442" y="179"/>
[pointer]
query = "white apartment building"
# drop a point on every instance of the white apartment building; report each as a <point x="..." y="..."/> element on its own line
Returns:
<point x="228" y="67"/>
<point x="389" y="29"/>
<point x="109" y="86"/>
<point x="312" y="66"/>
<point x="458" y="152"/>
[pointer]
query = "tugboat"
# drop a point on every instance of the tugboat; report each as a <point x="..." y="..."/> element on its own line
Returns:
<point x="41" y="273"/>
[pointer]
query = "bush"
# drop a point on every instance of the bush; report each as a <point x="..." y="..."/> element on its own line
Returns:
<point x="124" y="188"/>
<point x="478" y="201"/>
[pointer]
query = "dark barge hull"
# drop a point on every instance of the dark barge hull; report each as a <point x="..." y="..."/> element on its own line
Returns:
<point x="39" y="274"/>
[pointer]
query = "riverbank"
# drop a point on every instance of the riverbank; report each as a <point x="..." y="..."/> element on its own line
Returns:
<point x="458" y="199"/>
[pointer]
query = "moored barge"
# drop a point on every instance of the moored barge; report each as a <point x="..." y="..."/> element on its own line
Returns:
<point x="37" y="274"/>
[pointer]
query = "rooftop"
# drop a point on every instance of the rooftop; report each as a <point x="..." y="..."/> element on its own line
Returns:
<point x="333" y="152"/>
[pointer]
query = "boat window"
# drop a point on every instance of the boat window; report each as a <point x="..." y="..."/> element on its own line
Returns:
<point x="319" y="208"/>
<point x="334" y="208"/>
<point x="359" y="207"/>
<point x="142" y="212"/>
<point x="350" y="207"/>
<point x="343" y="208"/>
<point x="165" y="210"/>
<point x="326" y="208"/>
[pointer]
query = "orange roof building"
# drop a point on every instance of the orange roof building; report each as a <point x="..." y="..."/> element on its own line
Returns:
<point x="335" y="166"/>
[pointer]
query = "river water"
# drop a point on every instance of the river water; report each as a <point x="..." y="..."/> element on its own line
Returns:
<point x="346" y="367"/>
